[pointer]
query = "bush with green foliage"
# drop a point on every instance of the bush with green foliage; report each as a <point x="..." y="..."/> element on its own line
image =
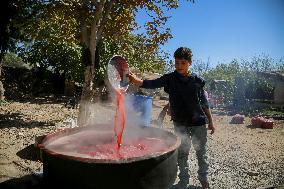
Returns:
<point x="13" y="60"/>
<point x="256" y="86"/>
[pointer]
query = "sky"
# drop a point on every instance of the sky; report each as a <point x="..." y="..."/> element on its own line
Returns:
<point x="222" y="30"/>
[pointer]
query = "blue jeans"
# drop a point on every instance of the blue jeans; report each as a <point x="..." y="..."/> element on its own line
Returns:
<point x="197" y="135"/>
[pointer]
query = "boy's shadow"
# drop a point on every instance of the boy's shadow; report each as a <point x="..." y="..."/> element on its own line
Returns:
<point x="26" y="182"/>
<point x="189" y="187"/>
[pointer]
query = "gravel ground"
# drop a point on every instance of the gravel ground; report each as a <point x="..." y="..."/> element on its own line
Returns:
<point x="240" y="156"/>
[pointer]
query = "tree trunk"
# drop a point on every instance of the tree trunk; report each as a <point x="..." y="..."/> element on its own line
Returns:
<point x="84" y="111"/>
<point x="86" y="96"/>
<point x="90" y="40"/>
<point x="2" y="97"/>
<point x="89" y="62"/>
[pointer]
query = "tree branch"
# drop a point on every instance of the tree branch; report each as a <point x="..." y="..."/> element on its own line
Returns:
<point x="85" y="38"/>
<point x="94" y="30"/>
<point x="108" y="7"/>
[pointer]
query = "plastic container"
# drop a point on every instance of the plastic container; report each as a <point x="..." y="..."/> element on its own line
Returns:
<point x="143" y="104"/>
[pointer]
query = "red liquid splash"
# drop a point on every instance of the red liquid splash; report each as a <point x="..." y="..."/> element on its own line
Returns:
<point x="130" y="149"/>
<point x="119" y="119"/>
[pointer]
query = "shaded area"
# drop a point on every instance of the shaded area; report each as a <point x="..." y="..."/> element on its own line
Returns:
<point x="44" y="99"/>
<point x="252" y="126"/>
<point x="21" y="82"/>
<point x="35" y="181"/>
<point x="32" y="181"/>
<point x="29" y="153"/>
<point x="67" y="101"/>
<point x="189" y="187"/>
<point x="17" y="120"/>
<point x="270" y="111"/>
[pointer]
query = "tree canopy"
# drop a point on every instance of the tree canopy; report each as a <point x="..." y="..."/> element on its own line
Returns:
<point x="56" y="33"/>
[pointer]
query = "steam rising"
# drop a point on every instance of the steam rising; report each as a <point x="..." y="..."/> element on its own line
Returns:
<point x="100" y="134"/>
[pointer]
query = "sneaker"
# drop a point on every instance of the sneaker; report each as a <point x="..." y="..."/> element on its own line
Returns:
<point x="204" y="184"/>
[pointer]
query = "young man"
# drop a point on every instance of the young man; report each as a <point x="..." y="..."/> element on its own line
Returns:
<point x="189" y="110"/>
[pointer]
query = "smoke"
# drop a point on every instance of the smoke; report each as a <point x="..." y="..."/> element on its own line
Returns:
<point x="100" y="113"/>
<point x="104" y="112"/>
<point x="71" y="143"/>
<point x="194" y="137"/>
<point x="133" y="115"/>
<point x="99" y="137"/>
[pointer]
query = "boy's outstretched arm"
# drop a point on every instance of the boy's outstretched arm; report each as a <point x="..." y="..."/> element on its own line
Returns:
<point x="148" y="84"/>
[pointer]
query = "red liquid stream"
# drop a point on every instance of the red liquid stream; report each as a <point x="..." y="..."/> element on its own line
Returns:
<point x="119" y="119"/>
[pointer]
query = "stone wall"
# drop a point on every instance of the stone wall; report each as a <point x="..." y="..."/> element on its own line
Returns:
<point x="279" y="93"/>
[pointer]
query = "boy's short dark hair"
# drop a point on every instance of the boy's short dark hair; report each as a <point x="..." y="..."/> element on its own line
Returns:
<point x="183" y="53"/>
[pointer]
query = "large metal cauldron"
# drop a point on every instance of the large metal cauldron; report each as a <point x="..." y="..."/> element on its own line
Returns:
<point x="153" y="171"/>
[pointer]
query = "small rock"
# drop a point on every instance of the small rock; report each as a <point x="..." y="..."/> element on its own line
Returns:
<point x="21" y="134"/>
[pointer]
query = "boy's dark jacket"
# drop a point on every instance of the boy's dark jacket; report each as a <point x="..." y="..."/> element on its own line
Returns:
<point x="186" y="96"/>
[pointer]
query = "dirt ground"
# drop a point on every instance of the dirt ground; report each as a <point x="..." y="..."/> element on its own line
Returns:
<point x="240" y="156"/>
